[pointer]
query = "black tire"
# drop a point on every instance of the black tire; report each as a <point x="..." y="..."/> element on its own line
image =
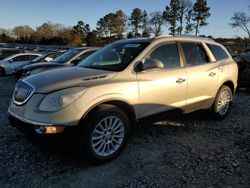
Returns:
<point x="2" y="72"/>
<point x="220" y="113"/>
<point x="92" y="123"/>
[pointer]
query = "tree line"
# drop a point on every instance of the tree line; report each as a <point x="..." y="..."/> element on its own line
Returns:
<point x="179" y="16"/>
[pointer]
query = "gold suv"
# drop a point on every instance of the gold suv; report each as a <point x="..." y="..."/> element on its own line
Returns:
<point x="123" y="83"/>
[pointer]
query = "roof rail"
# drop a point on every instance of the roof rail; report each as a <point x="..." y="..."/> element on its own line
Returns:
<point x="188" y="36"/>
<point x="163" y="36"/>
<point x="194" y="36"/>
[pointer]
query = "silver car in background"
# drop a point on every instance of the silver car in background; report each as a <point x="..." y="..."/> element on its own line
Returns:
<point x="11" y="63"/>
<point x="69" y="58"/>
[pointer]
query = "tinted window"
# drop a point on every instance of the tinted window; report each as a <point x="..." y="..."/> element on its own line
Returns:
<point x="218" y="52"/>
<point x="86" y="54"/>
<point x="194" y="54"/>
<point x="30" y="57"/>
<point x="167" y="54"/>
<point x="24" y="57"/>
<point x="21" y="58"/>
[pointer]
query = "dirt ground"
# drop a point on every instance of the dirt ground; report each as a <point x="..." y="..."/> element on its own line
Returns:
<point x="186" y="151"/>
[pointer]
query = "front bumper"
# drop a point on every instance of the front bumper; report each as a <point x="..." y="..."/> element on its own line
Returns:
<point x="27" y="126"/>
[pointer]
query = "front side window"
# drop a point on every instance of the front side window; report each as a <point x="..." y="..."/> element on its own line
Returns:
<point x="194" y="53"/>
<point x="114" y="57"/>
<point x="168" y="54"/>
<point x="218" y="52"/>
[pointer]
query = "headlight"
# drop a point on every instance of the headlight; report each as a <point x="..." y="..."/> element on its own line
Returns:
<point x="59" y="99"/>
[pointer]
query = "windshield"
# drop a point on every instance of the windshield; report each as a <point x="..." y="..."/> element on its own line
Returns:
<point x="39" y="58"/>
<point x="114" y="57"/>
<point x="66" y="56"/>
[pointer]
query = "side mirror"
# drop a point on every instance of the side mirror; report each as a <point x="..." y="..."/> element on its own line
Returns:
<point x="151" y="63"/>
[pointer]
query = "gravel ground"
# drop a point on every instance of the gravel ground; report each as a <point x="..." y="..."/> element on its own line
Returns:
<point x="186" y="151"/>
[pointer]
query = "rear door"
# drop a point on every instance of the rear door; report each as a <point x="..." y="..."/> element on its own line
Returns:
<point x="163" y="89"/>
<point x="202" y="75"/>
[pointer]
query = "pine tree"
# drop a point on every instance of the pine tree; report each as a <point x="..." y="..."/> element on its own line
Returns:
<point x="189" y="25"/>
<point x="201" y="13"/>
<point x="136" y="21"/>
<point x="145" y="24"/>
<point x="171" y="15"/>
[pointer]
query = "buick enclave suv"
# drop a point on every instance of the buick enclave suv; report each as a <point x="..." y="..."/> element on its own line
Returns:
<point x="129" y="80"/>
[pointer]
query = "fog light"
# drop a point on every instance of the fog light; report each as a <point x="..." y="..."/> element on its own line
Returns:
<point x="49" y="129"/>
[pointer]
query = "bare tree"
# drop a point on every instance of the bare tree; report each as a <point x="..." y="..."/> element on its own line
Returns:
<point x="23" y="33"/>
<point x="156" y="21"/>
<point x="241" y="20"/>
<point x="185" y="7"/>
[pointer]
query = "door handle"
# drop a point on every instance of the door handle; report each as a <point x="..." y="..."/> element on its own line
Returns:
<point x="180" y="80"/>
<point x="212" y="74"/>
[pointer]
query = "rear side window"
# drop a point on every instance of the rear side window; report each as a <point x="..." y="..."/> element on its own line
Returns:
<point x="218" y="52"/>
<point x="194" y="53"/>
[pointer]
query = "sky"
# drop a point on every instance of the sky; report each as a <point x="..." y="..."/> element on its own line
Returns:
<point x="36" y="12"/>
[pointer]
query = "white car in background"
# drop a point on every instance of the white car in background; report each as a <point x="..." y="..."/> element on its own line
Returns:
<point x="9" y="64"/>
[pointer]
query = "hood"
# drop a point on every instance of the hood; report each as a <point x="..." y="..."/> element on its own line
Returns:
<point x="41" y="65"/>
<point x="63" y="78"/>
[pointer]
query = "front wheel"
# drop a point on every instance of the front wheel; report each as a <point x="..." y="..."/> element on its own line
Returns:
<point x="222" y="102"/>
<point x="104" y="134"/>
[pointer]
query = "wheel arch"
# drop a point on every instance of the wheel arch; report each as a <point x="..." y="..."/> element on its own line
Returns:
<point x="124" y="106"/>
<point x="230" y="84"/>
<point x="4" y="71"/>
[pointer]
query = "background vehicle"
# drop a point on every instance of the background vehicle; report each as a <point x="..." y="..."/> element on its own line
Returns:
<point x="47" y="57"/>
<point x="123" y="83"/>
<point x="69" y="58"/>
<point x="243" y="61"/>
<point x="6" y="52"/>
<point x="9" y="64"/>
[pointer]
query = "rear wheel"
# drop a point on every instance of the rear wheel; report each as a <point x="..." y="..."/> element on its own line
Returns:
<point x="222" y="102"/>
<point x="104" y="134"/>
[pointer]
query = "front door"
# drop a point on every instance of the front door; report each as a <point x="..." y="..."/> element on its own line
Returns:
<point x="163" y="89"/>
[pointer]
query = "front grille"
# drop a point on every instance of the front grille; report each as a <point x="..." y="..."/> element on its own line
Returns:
<point x="23" y="91"/>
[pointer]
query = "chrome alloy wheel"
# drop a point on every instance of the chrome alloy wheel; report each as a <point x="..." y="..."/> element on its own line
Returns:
<point x="223" y="102"/>
<point x="107" y="136"/>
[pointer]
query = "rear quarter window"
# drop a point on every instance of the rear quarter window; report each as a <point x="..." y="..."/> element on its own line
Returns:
<point x="218" y="52"/>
